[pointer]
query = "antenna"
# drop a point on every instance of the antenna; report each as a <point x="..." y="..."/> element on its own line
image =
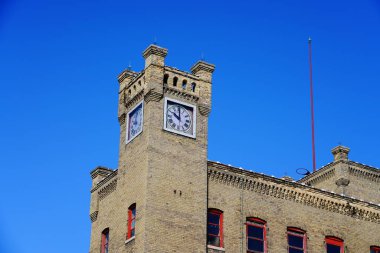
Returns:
<point x="155" y="40"/>
<point x="312" y="106"/>
<point x="129" y="66"/>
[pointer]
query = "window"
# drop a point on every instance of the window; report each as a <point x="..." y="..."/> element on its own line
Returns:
<point x="334" y="245"/>
<point x="175" y="80"/>
<point x="256" y="235"/>
<point x="184" y="83"/>
<point x="131" y="221"/>
<point x="166" y="77"/>
<point x="375" y="249"/>
<point x="215" y="228"/>
<point x="105" y="240"/>
<point x="296" y="240"/>
<point x="193" y="85"/>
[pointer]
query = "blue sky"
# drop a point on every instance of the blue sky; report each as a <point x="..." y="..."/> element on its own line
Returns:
<point x="58" y="101"/>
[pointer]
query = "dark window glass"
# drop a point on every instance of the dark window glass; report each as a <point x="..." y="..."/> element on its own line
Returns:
<point x="255" y="236"/>
<point x="295" y="241"/>
<point x="375" y="249"/>
<point x="256" y="232"/>
<point x="291" y="250"/>
<point x="175" y="80"/>
<point x="214" y="228"/>
<point x="255" y="245"/>
<point x="333" y="248"/>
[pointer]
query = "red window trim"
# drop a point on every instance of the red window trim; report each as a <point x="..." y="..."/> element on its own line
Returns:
<point x="332" y="240"/>
<point x="220" y="213"/>
<point x="375" y="248"/>
<point x="257" y="222"/>
<point x="105" y="241"/>
<point x="131" y="219"/>
<point x="299" y="233"/>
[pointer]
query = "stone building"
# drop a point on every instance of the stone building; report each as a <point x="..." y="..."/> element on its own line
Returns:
<point x="165" y="196"/>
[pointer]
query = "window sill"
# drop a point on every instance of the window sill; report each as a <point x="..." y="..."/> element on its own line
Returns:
<point x="129" y="240"/>
<point x="216" y="248"/>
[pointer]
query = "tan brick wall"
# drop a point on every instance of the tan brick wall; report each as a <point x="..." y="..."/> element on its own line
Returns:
<point x="281" y="211"/>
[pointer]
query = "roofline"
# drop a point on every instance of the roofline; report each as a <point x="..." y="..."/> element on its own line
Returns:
<point x="241" y="171"/>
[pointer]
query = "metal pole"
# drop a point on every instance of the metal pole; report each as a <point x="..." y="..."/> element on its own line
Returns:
<point x="312" y="106"/>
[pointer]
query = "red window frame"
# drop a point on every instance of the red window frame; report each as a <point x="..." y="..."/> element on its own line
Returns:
<point x="375" y="249"/>
<point x="220" y="226"/>
<point x="105" y="241"/>
<point x="131" y="221"/>
<point x="332" y="240"/>
<point x="259" y="223"/>
<point x="299" y="233"/>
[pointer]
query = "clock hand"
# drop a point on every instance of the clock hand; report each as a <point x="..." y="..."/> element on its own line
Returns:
<point x="179" y="113"/>
<point x="175" y="115"/>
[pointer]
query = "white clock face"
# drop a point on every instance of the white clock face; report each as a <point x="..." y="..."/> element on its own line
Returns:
<point x="179" y="117"/>
<point x="135" y="122"/>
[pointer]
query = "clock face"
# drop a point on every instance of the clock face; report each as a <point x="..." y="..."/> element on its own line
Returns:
<point x="179" y="117"/>
<point x="135" y="122"/>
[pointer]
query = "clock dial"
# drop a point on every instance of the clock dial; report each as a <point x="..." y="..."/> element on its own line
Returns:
<point x="179" y="117"/>
<point x="135" y="122"/>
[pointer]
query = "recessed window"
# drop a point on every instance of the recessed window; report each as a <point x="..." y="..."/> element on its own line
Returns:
<point x="105" y="241"/>
<point x="166" y="77"/>
<point x="184" y="83"/>
<point x="256" y="235"/>
<point x="175" y="81"/>
<point x="193" y="85"/>
<point x="131" y="221"/>
<point x="215" y="228"/>
<point x="375" y="249"/>
<point x="334" y="245"/>
<point x="296" y="240"/>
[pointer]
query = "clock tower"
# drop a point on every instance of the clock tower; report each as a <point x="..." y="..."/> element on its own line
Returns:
<point x="162" y="171"/>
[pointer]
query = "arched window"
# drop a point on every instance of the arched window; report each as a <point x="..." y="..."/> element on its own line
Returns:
<point x="175" y="81"/>
<point x="131" y="221"/>
<point x="256" y="235"/>
<point x="215" y="228"/>
<point x="334" y="245"/>
<point x="296" y="240"/>
<point x="193" y="85"/>
<point x="184" y="83"/>
<point x="375" y="249"/>
<point x="166" y="77"/>
<point x="105" y="240"/>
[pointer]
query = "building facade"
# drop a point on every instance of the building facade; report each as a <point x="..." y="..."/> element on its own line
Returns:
<point x="165" y="196"/>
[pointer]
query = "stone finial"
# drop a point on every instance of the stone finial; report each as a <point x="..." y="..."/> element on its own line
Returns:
<point x="340" y="153"/>
<point x="154" y="55"/>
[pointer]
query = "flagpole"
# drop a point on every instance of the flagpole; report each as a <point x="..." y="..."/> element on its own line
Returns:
<point x="312" y="106"/>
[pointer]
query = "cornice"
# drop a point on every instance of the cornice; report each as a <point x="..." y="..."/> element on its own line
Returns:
<point x="180" y="93"/>
<point x="293" y="191"/>
<point x="318" y="173"/>
<point x="107" y="189"/>
<point x="364" y="173"/>
<point x="100" y="170"/>
<point x="134" y="100"/>
<point x="105" y="180"/>
<point x="153" y="95"/>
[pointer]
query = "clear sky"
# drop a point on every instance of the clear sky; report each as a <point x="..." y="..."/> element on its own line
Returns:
<point x="58" y="102"/>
